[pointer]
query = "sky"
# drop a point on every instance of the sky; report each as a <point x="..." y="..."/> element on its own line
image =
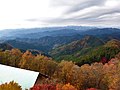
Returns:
<point x="46" y="13"/>
<point x="25" y="78"/>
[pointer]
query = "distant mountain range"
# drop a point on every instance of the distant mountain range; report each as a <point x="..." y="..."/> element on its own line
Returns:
<point x="34" y="33"/>
<point x="76" y="43"/>
<point x="53" y="37"/>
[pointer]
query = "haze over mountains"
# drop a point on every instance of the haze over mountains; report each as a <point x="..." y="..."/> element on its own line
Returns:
<point x="69" y="43"/>
<point x="55" y="31"/>
<point x="41" y="32"/>
<point x="46" y="39"/>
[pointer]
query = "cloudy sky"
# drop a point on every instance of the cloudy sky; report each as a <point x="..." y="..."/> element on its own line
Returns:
<point x="42" y="13"/>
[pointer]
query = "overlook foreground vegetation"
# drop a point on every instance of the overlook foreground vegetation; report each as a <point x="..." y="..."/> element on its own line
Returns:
<point x="101" y="73"/>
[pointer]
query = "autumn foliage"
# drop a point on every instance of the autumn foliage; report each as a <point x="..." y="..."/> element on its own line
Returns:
<point x="92" y="89"/>
<point x="10" y="86"/>
<point x="65" y="75"/>
<point x="44" y="87"/>
<point x="53" y="87"/>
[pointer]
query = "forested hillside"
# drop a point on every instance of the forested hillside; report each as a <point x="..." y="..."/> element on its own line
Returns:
<point x="86" y="43"/>
<point x="46" y="39"/>
<point x="65" y="74"/>
<point x="87" y="50"/>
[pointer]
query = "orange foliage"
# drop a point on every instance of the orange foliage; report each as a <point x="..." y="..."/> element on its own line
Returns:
<point x="10" y="86"/>
<point x="92" y="89"/>
<point x="68" y="87"/>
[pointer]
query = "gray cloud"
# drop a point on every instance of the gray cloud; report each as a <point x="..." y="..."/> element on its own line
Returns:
<point x="76" y="5"/>
<point x="85" y="4"/>
<point x="84" y="12"/>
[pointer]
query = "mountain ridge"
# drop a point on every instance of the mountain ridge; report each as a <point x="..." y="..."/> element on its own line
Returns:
<point x="86" y="42"/>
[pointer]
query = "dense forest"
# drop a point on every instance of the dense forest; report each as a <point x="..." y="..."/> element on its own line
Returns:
<point x="69" y="75"/>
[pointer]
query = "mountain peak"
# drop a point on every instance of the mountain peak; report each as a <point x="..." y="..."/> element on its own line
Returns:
<point x="5" y="46"/>
<point x="113" y="43"/>
<point x="86" y="42"/>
